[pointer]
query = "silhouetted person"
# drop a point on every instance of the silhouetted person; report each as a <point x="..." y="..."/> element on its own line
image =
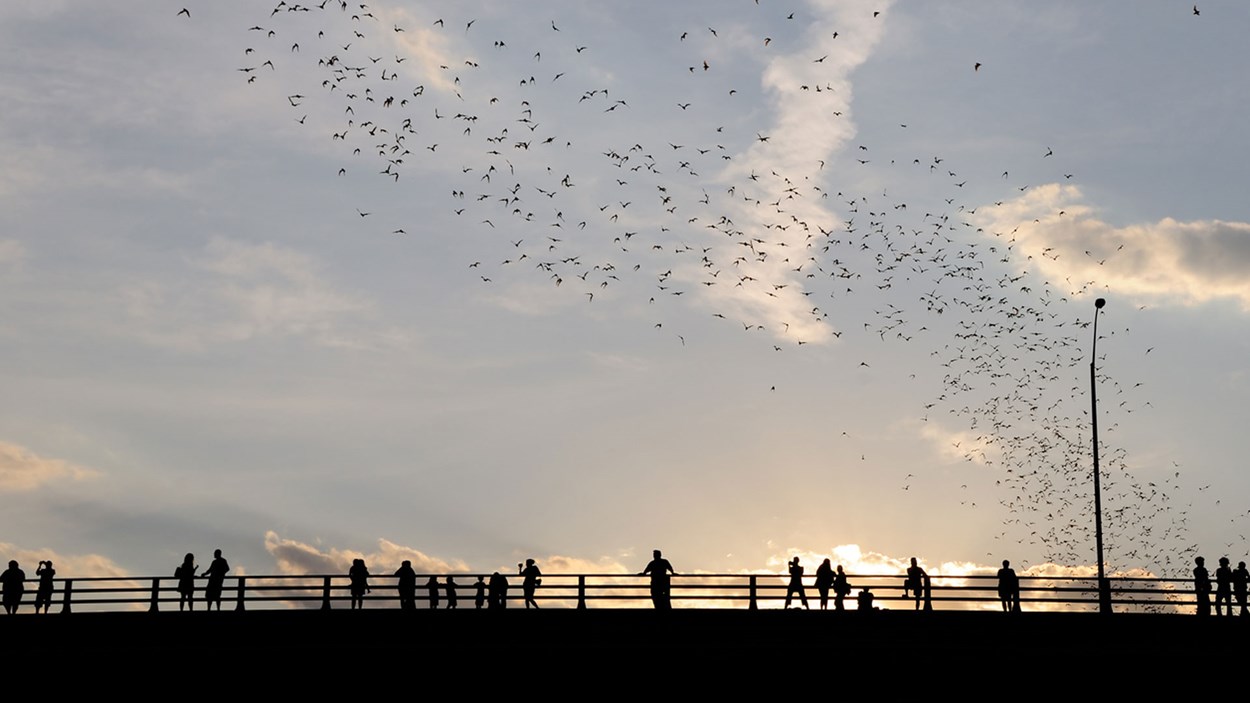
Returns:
<point x="824" y="579"/>
<point x="431" y="588"/>
<point x="185" y="573"/>
<point x="796" y="583"/>
<point x="406" y="581"/>
<point x="918" y="583"/>
<point x="841" y="589"/>
<point x="864" y="601"/>
<point x="1009" y="588"/>
<point x="452" y="598"/>
<point x="1241" y="579"/>
<point x="531" y="575"/>
<point x="358" y="575"/>
<point x="216" y="575"/>
<point x="14" y="582"/>
<point x="661" y="583"/>
<point x="1223" y="587"/>
<point x="43" y="597"/>
<point x="479" y="592"/>
<point x="1202" y="586"/>
<point x="498" y="591"/>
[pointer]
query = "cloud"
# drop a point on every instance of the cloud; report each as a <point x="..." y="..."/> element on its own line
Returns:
<point x="1188" y="263"/>
<point x="811" y="98"/>
<point x="23" y="470"/>
<point x="299" y="558"/>
<point x="66" y="565"/>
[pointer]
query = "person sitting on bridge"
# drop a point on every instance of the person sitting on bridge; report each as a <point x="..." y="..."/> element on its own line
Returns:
<point x="864" y="601"/>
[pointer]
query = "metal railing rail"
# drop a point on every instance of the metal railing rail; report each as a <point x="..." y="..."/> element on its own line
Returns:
<point x="751" y="591"/>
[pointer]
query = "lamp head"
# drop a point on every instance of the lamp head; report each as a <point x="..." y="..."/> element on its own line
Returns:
<point x="1100" y="302"/>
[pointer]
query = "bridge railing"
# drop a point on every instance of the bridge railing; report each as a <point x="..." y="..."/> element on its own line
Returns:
<point x="731" y="591"/>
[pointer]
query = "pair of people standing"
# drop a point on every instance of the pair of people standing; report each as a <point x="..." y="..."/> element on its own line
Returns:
<point x="215" y="573"/>
<point x="828" y="578"/>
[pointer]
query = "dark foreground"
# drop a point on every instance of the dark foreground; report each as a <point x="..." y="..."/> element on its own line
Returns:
<point x="603" y="640"/>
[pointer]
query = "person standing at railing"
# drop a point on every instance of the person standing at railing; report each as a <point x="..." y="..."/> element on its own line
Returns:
<point x="498" y="591"/>
<point x="1241" y="579"/>
<point x="796" y="584"/>
<point x="43" y="597"/>
<point x="918" y="583"/>
<point x="824" y="579"/>
<point x="14" y="581"/>
<point x="479" y="592"/>
<point x="1202" y="586"/>
<point x="1223" y="587"/>
<point x="359" y="577"/>
<point x="841" y="589"/>
<point x="216" y="575"/>
<point x="431" y="588"/>
<point x="1009" y="588"/>
<point x="407" y="582"/>
<point x="532" y="575"/>
<point x="186" y="582"/>
<point x="452" y="598"/>
<point x="661" y="585"/>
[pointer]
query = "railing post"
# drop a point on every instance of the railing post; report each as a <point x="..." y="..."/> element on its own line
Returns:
<point x="325" y="594"/>
<point x="753" y="605"/>
<point x="581" y="592"/>
<point x="67" y="589"/>
<point x="238" y="604"/>
<point x="156" y="591"/>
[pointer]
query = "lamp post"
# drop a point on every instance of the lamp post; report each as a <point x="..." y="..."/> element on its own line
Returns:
<point x="1104" y="587"/>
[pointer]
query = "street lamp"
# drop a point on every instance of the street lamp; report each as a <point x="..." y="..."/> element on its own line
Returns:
<point x="1104" y="587"/>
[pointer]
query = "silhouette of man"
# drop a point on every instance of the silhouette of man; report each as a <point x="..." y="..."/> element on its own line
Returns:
<point x="1241" y="579"/>
<point x="407" y="584"/>
<point x="479" y="592"/>
<point x="216" y="575"/>
<point x="1202" y="586"/>
<point x="796" y="583"/>
<point x="661" y="585"/>
<point x="1009" y="588"/>
<point x="918" y="583"/>
<point x="452" y="598"/>
<point x="1223" y="587"/>
<point x="14" y="581"/>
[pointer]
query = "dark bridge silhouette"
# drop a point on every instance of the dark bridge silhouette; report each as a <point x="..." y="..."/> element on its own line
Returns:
<point x="605" y="621"/>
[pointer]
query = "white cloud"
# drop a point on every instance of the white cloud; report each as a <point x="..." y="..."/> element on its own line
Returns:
<point x="23" y="470"/>
<point x="298" y="558"/>
<point x="1189" y="263"/>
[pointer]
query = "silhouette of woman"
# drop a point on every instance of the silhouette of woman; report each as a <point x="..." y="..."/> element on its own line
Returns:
<point x="498" y="591"/>
<point x="43" y="597"/>
<point x="824" y="579"/>
<point x="841" y="589"/>
<point x="531" y="574"/>
<point x="14" y="581"/>
<point x="432" y="588"/>
<point x="359" y="575"/>
<point x="796" y="583"/>
<point x="185" y="574"/>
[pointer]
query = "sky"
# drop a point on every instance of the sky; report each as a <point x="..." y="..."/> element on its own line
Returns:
<point x="473" y="282"/>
